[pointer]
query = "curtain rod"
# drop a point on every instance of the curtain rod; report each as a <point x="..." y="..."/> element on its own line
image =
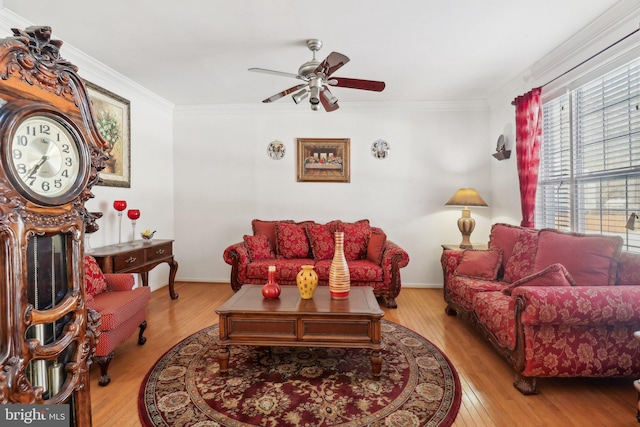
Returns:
<point x="588" y="59"/>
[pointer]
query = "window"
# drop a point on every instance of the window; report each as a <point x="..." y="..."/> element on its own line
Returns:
<point x="589" y="178"/>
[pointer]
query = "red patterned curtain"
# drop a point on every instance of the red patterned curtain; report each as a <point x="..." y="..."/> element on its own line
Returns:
<point x="528" y="135"/>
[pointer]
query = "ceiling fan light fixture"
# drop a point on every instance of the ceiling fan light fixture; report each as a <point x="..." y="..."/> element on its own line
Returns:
<point x="329" y="97"/>
<point x="314" y="86"/>
<point x="300" y="96"/>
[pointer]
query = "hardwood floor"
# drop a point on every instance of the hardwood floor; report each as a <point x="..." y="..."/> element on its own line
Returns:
<point x="488" y="399"/>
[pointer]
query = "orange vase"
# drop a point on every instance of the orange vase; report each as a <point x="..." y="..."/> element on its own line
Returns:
<point x="271" y="289"/>
<point x="339" y="279"/>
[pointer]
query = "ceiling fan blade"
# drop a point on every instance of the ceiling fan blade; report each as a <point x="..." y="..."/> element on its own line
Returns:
<point x="328" y="106"/>
<point x="332" y="63"/>
<point x="277" y="73"/>
<point x="284" y="93"/>
<point x="373" y="85"/>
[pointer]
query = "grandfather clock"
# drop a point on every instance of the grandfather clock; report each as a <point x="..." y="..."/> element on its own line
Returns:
<point x="50" y="156"/>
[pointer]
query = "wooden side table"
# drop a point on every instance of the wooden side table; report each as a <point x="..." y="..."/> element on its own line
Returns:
<point x="138" y="257"/>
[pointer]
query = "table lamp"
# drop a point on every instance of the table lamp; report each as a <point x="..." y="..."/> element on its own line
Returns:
<point x="464" y="198"/>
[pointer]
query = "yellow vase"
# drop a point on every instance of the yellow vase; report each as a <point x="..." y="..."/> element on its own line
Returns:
<point x="307" y="280"/>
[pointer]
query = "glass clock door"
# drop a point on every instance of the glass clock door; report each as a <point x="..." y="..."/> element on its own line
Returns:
<point x="47" y="285"/>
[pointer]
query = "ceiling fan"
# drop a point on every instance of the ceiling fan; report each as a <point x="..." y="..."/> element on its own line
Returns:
<point x="317" y="77"/>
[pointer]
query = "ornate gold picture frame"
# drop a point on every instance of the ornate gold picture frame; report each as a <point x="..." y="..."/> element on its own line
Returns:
<point x="112" y="114"/>
<point x="323" y="160"/>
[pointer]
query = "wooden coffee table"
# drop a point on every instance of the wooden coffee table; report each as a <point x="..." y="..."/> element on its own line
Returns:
<point x="247" y="318"/>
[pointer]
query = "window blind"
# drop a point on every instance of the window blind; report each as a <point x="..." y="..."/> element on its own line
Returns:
<point x="589" y="177"/>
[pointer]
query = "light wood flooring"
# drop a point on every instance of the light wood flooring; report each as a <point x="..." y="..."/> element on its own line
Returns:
<point x="488" y="398"/>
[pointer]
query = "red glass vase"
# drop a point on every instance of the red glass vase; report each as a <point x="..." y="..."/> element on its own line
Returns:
<point x="271" y="289"/>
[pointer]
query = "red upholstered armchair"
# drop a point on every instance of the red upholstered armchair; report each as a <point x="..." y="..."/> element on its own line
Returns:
<point x="121" y="309"/>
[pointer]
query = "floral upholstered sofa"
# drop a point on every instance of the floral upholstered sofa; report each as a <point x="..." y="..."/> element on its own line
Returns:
<point x="373" y="260"/>
<point x="554" y="304"/>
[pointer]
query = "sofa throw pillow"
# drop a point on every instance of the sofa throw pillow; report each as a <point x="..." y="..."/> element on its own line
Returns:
<point x="356" y="238"/>
<point x="376" y="246"/>
<point x="95" y="282"/>
<point x="321" y="240"/>
<point x="505" y="236"/>
<point x="480" y="264"/>
<point x="291" y="241"/>
<point x="554" y="275"/>
<point x="258" y="247"/>
<point x="267" y="228"/>
<point x="592" y="260"/>
<point x="520" y="263"/>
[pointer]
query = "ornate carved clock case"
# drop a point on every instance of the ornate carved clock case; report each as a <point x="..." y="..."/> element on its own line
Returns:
<point x="50" y="157"/>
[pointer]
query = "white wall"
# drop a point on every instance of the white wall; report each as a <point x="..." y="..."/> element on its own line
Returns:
<point x="151" y="154"/>
<point x="224" y="178"/>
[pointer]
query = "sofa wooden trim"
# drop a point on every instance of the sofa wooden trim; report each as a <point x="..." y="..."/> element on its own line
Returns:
<point x="515" y="356"/>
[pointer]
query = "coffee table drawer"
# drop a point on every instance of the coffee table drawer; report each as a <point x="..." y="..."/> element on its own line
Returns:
<point x="128" y="260"/>
<point x="257" y="329"/>
<point x="334" y="330"/>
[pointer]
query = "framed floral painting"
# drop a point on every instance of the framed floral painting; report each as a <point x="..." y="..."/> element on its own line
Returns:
<point x="323" y="160"/>
<point x="112" y="114"/>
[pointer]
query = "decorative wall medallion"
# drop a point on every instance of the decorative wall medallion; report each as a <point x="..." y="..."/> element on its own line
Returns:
<point x="380" y="149"/>
<point x="276" y="150"/>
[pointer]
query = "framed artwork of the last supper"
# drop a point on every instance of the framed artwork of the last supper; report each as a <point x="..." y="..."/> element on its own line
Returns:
<point x="323" y="160"/>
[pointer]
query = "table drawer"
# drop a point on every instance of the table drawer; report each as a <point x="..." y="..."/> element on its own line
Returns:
<point x="129" y="260"/>
<point x="159" y="252"/>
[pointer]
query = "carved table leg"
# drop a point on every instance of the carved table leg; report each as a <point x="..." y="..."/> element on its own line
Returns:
<point x="376" y="364"/>
<point x="173" y="269"/>
<point x="223" y="360"/>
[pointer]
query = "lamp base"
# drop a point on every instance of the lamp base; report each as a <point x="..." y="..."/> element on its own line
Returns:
<point x="466" y="224"/>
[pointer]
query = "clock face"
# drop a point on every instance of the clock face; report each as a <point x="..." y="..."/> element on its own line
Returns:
<point x="46" y="159"/>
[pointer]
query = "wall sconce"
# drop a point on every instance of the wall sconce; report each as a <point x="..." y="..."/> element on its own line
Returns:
<point x="631" y="222"/>
<point x="501" y="149"/>
<point x="464" y="198"/>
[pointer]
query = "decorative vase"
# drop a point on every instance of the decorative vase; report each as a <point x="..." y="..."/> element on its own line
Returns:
<point x="339" y="280"/>
<point x="271" y="289"/>
<point x="307" y="280"/>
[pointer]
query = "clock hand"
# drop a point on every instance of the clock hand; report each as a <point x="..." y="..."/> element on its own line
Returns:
<point x="36" y="167"/>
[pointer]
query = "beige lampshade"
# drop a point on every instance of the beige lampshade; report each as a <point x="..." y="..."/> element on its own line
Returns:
<point x="466" y="197"/>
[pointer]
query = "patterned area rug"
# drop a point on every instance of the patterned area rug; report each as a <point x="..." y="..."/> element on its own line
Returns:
<point x="286" y="386"/>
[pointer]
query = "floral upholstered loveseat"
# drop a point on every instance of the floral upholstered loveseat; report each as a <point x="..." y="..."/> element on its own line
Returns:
<point x="373" y="260"/>
<point x="554" y="304"/>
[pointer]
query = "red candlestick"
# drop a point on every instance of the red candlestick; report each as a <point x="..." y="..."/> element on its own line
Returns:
<point x="119" y="205"/>
<point x="133" y="214"/>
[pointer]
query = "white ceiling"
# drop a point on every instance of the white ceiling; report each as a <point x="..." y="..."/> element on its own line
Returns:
<point x="198" y="51"/>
